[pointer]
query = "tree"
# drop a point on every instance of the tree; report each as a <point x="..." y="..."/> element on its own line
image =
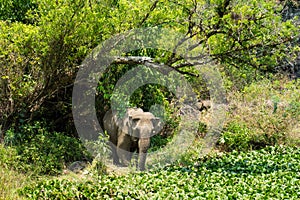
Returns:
<point x="40" y="60"/>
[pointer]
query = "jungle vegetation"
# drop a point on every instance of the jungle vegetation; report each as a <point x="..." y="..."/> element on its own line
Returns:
<point x="253" y="47"/>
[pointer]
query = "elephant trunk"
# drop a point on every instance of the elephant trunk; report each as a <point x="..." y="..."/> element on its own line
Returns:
<point x="144" y="144"/>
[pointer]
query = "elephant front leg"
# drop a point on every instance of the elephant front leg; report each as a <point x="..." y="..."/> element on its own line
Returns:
<point x="123" y="149"/>
<point x="114" y="154"/>
<point x="144" y="144"/>
<point x="113" y="140"/>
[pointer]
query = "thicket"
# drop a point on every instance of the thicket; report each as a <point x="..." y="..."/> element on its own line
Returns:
<point x="40" y="59"/>
<point x="262" y="114"/>
<point x="35" y="149"/>
<point x="42" y="47"/>
<point x="43" y="43"/>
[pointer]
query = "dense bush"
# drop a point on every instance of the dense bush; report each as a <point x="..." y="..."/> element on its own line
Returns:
<point x="267" y="173"/>
<point x="41" y="151"/>
<point x="40" y="59"/>
<point x="8" y="157"/>
<point x="264" y="113"/>
<point x="16" y="10"/>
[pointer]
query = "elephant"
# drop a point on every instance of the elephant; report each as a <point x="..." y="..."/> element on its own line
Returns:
<point x="129" y="134"/>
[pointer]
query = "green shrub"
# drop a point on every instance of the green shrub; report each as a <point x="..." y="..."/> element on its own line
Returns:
<point x="43" y="151"/>
<point x="158" y="141"/>
<point x="236" y="137"/>
<point x="8" y="156"/>
<point x="264" y="113"/>
<point x="15" y="10"/>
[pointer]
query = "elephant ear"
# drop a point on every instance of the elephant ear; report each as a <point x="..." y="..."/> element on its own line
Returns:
<point x="124" y="125"/>
<point x="157" y="124"/>
<point x="133" y="122"/>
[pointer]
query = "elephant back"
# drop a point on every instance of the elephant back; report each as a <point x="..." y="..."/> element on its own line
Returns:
<point x="143" y="115"/>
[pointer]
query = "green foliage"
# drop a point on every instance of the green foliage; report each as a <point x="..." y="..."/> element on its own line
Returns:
<point x="237" y="137"/>
<point x="143" y="97"/>
<point x="158" y="141"/>
<point x="264" y="113"/>
<point x="42" y="44"/>
<point x="40" y="60"/>
<point x="245" y="39"/>
<point x="240" y="138"/>
<point x="16" y="10"/>
<point x="267" y="173"/>
<point x="42" y="151"/>
<point x="8" y="156"/>
<point x="18" y="76"/>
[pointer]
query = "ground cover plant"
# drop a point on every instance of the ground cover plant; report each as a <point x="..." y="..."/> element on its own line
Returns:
<point x="272" y="172"/>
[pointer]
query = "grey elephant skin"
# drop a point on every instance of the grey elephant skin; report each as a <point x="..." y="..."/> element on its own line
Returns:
<point x="130" y="134"/>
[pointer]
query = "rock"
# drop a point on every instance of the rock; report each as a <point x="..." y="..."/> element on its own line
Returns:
<point x="203" y="105"/>
<point x="77" y="166"/>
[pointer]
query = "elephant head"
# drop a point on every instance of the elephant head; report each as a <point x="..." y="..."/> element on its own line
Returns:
<point x="143" y="125"/>
<point x="125" y="123"/>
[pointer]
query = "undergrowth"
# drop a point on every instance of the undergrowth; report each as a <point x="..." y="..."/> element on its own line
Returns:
<point x="263" y="113"/>
<point x="261" y="137"/>
<point x="36" y="149"/>
<point x="271" y="172"/>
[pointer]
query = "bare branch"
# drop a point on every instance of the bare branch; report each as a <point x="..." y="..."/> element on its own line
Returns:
<point x="138" y="60"/>
<point x="149" y="62"/>
<point x="132" y="60"/>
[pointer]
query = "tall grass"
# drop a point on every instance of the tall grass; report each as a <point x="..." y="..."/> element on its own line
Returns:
<point x="264" y="113"/>
<point x="10" y="180"/>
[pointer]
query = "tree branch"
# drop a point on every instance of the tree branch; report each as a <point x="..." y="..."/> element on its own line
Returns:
<point x="149" y="62"/>
<point x="148" y="14"/>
